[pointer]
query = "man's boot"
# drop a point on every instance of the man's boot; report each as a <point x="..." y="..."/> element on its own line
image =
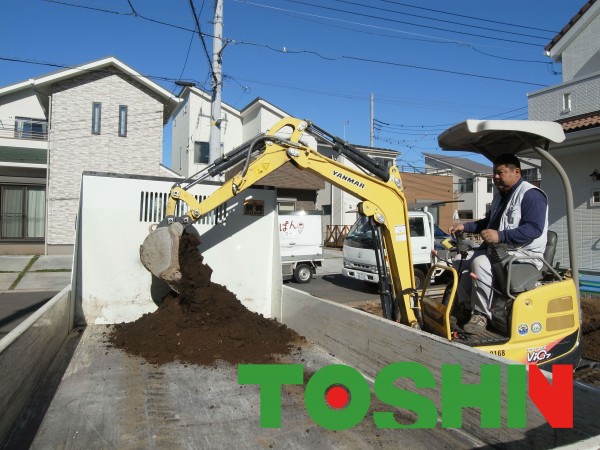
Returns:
<point x="476" y="324"/>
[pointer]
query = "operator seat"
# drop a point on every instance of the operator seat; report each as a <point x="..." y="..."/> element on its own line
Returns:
<point x="524" y="275"/>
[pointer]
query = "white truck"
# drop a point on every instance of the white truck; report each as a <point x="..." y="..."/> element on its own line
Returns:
<point x="301" y="245"/>
<point x="359" y="253"/>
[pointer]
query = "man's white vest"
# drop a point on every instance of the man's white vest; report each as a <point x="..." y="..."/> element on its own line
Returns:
<point x="512" y="216"/>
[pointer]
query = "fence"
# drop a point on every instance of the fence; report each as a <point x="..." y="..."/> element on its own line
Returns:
<point x="335" y="235"/>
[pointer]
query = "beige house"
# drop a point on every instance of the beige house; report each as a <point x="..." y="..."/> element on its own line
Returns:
<point x="101" y="116"/>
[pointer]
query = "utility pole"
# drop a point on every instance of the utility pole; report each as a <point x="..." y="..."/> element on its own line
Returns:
<point x="372" y="134"/>
<point x="214" y="143"/>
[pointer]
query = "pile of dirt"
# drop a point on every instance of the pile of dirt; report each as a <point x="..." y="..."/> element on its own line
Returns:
<point x="590" y="327"/>
<point x="204" y="323"/>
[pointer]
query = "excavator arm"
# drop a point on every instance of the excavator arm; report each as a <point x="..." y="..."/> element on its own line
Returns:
<point x="381" y="192"/>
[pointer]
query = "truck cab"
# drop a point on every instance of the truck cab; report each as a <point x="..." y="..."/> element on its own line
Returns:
<point x="359" y="249"/>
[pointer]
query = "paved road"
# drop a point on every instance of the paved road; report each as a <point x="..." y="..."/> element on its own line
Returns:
<point x="330" y="284"/>
<point x="340" y="289"/>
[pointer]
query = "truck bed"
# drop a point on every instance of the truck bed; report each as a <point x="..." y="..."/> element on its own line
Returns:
<point x="96" y="396"/>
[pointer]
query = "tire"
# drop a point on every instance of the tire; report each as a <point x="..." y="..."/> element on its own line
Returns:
<point x="419" y="279"/>
<point x="302" y="273"/>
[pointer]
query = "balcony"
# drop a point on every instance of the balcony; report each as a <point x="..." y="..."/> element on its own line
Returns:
<point x="24" y="128"/>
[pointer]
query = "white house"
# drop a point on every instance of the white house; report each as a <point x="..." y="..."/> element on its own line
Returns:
<point x="472" y="184"/>
<point x="575" y="103"/>
<point x="99" y="116"/>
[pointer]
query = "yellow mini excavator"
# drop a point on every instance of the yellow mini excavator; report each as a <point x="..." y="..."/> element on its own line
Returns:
<point x="536" y="314"/>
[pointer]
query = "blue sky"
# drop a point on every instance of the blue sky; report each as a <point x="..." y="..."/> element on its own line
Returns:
<point x="428" y="63"/>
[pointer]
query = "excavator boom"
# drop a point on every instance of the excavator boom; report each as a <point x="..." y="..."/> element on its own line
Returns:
<point x="380" y="190"/>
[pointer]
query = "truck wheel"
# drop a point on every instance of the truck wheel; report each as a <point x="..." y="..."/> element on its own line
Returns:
<point x="302" y="273"/>
<point x="419" y="279"/>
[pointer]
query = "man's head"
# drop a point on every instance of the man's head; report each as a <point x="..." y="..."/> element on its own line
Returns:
<point x="507" y="171"/>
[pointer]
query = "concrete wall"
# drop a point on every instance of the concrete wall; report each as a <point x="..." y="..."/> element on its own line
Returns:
<point x="27" y="351"/>
<point x="74" y="149"/>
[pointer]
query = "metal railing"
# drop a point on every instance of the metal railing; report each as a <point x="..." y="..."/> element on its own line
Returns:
<point x="24" y="128"/>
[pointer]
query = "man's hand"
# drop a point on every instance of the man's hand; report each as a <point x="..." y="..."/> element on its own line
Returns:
<point x="456" y="227"/>
<point x="490" y="236"/>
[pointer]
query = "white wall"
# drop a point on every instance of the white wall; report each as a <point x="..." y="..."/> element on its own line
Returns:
<point x="576" y="161"/>
<point x="23" y="103"/>
<point x="113" y="286"/>
<point x="582" y="56"/>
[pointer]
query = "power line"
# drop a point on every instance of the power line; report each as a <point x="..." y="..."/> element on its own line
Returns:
<point x="208" y="59"/>
<point x="348" y="57"/>
<point x="440" y="20"/>
<point x="418" y="36"/>
<point x="467" y="17"/>
<point x="329" y="8"/>
<point x="392" y="63"/>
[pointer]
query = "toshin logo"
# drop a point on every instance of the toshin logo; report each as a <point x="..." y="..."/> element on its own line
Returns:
<point x="338" y="397"/>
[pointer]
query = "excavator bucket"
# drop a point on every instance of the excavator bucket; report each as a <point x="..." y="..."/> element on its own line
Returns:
<point x="160" y="252"/>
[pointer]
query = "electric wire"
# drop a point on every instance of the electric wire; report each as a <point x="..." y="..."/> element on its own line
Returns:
<point x="415" y="36"/>
<point x="208" y="59"/>
<point x="466" y="16"/>
<point x="387" y="19"/>
<point x="440" y="20"/>
<point x="284" y="50"/>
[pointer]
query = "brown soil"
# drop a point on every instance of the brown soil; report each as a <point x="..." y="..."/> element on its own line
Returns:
<point x="590" y="312"/>
<point x="204" y="323"/>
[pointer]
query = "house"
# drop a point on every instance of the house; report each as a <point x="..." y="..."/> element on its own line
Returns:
<point x="575" y="104"/>
<point x="190" y="144"/>
<point x="99" y="116"/>
<point x="472" y="184"/>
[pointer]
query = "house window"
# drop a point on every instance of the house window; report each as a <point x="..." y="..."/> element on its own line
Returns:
<point x="96" y="112"/>
<point x="28" y="128"/>
<point x="286" y="205"/>
<point x="465" y="185"/>
<point x="201" y="152"/>
<point x="490" y="186"/>
<point x="595" y="198"/>
<point x="22" y="212"/>
<point x="465" y="215"/>
<point x="529" y="174"/>
<point x="122" y="120"/>
<point x="566" y="102"/>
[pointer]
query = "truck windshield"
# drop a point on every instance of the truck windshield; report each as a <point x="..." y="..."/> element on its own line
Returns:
<point x="360" y="234"/>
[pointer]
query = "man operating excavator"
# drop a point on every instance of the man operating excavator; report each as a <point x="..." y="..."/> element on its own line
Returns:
<point x="518" y="218"/>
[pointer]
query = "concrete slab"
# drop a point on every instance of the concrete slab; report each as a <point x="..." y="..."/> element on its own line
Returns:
<point x="44" y="281"/>
<point x="52" y="262"/>
<point x="7" y="279"/>
<point x="14" y="263"/>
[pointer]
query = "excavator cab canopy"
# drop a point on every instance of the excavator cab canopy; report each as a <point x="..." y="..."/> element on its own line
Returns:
<point x="492" y="138"/>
